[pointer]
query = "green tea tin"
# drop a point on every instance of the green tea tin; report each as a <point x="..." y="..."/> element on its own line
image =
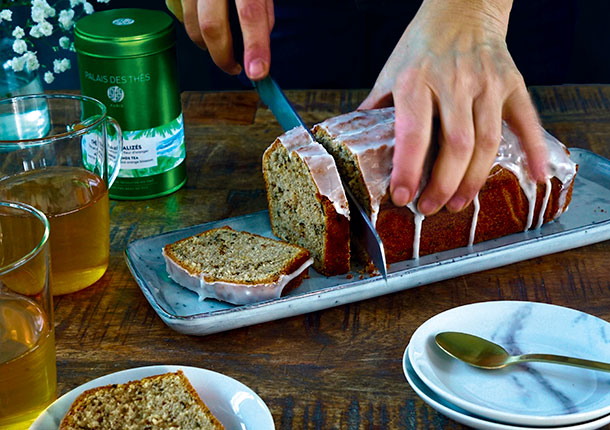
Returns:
<point x="127" y="60"/>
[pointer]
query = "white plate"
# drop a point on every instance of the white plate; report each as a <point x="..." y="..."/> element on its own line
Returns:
<point x="464" y="417"/>
<point x="236" y="406"/>
<point x="533" y="394"/>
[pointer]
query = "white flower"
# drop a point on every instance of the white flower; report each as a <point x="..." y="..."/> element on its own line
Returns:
<point x="19" y="46"/>
<point x="6" y="15"/>
<point x="88" y="7"/>
<point x="31" y="61"/>
<point x="35" y="32"/>
<point x="18" y="32"/>
<point x="38" y="14"/>
<point x="74" y="3"/>
<point x="49" y="77"/>
<point x="43" y="28"/>
<point x="103" y="1"/>
<point x="65" y="18"/>
<point x="61" y="65"/>
<point x="49" y="11"/>
<point x="17" y="63"/>
<point x="41" y="10"/>
<point x="64" y="42"/>
<point x="46" y="28"/>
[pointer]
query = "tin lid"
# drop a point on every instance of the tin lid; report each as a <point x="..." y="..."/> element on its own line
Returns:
<point x="124" y="33"/>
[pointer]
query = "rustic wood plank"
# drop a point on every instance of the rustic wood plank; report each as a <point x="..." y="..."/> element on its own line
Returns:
<point x="338" y="368"/>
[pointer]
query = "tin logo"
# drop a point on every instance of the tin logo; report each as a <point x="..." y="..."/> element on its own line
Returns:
<point x="123" y="21"/>
<point x="115" y="93"/>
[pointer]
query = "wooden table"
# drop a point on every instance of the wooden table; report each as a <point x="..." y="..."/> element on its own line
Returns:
<point x="334" y="369"/>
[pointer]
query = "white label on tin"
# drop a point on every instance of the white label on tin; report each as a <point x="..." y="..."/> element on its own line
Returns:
<point x="152" y="151"/>
<point x="115" y="93"/>
<point x="139" y="153"/>
<point x="123" y="21"/>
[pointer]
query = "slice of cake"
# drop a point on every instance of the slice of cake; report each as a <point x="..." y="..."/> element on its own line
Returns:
<point x="236" y="266"/>
<point x="362" y="143"/>
<point x="307" y="203"/>
<point x="166" y="401"/>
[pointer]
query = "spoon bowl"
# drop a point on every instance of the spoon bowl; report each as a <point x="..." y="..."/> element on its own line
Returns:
<point x="482" y="353"/>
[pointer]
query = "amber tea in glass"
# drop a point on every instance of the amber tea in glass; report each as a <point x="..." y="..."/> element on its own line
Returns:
<point x="66" y="174"/>
<point x="28" y="381"/>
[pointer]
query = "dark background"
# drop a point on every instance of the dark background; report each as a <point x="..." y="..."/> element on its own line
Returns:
<point x="344" y="43"/>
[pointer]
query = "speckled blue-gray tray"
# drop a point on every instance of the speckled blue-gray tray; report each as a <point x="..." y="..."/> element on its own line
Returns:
<point x="587" y="221"/>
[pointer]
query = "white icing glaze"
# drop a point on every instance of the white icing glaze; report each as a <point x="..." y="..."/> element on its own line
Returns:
<point x="561" y="167"/>
<point x="475" y="220"/>
<point x="321" y="165"/>
<point x="545" y="202"/>
<point x="370" y="137"/>
<point x="418" y="219"/>
<point x="238" y="294"/>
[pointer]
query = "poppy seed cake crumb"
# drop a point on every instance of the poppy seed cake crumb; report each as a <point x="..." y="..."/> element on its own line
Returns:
<point x="160" y="402"/>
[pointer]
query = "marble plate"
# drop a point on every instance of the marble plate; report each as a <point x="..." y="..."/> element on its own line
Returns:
<point x="464" y="417"/>
<point x="236" y="406"/>
<point x="532" y="394"/>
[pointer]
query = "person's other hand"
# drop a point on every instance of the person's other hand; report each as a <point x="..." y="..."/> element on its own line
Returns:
<point x="207" y="24"/>
<point x="453" y="61"/>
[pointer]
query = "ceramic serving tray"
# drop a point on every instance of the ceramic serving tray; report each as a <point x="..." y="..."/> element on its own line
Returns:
<point x="587" y="221"/>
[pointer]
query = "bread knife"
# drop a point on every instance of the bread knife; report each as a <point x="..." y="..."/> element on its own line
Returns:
<point x="271" y="94"/>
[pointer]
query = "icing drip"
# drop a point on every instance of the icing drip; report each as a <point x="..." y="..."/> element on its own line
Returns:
<point x="418" y="219"/>
<point x="321" y="165"/>
<point x="561" y="167"/>
<point x="545" y="202"/>
<point x="475" y="219"/>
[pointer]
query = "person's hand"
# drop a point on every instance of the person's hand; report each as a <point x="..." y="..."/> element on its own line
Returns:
<point x="207" y="24"/>
<point x="452" y="61"/>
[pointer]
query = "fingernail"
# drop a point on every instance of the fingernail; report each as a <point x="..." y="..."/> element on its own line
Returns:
<point x="427" y="206"/>
<point x="256" y="69"/>
<point x="456" y="204"/>
<point x="401" y="196"/>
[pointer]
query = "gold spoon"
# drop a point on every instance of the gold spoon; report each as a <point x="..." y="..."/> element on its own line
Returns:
<point x="482" y="353"/>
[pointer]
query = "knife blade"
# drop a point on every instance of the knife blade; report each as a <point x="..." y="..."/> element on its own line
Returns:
<point x="272" y="95"/>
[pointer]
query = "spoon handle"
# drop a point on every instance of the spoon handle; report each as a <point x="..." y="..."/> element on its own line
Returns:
<point x="561" y="359"/>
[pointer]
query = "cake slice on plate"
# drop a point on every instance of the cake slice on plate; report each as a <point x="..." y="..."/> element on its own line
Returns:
<point x="166" y="401"/>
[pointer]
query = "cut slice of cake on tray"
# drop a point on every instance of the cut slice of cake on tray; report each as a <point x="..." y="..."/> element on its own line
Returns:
<point x="236" y="266"/>
<point x="307" y="203"/>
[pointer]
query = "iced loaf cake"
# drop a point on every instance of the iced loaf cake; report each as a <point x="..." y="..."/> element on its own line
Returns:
<point x="362" y="143"/>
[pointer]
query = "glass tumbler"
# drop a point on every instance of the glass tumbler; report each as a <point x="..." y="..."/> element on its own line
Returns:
<point x="66" y="173"/>
<point x="28" y="379"/>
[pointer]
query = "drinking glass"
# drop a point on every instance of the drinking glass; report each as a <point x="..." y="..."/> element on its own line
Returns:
<point x="66" y="173"/>
<point x="28" y="378"/>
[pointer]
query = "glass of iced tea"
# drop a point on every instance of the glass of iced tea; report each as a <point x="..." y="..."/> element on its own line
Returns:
<point x="66" y="173"/>
<point x="28" y="379"/>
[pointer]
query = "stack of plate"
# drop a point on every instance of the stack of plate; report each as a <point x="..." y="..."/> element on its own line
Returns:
<point x="523" y="396"/>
